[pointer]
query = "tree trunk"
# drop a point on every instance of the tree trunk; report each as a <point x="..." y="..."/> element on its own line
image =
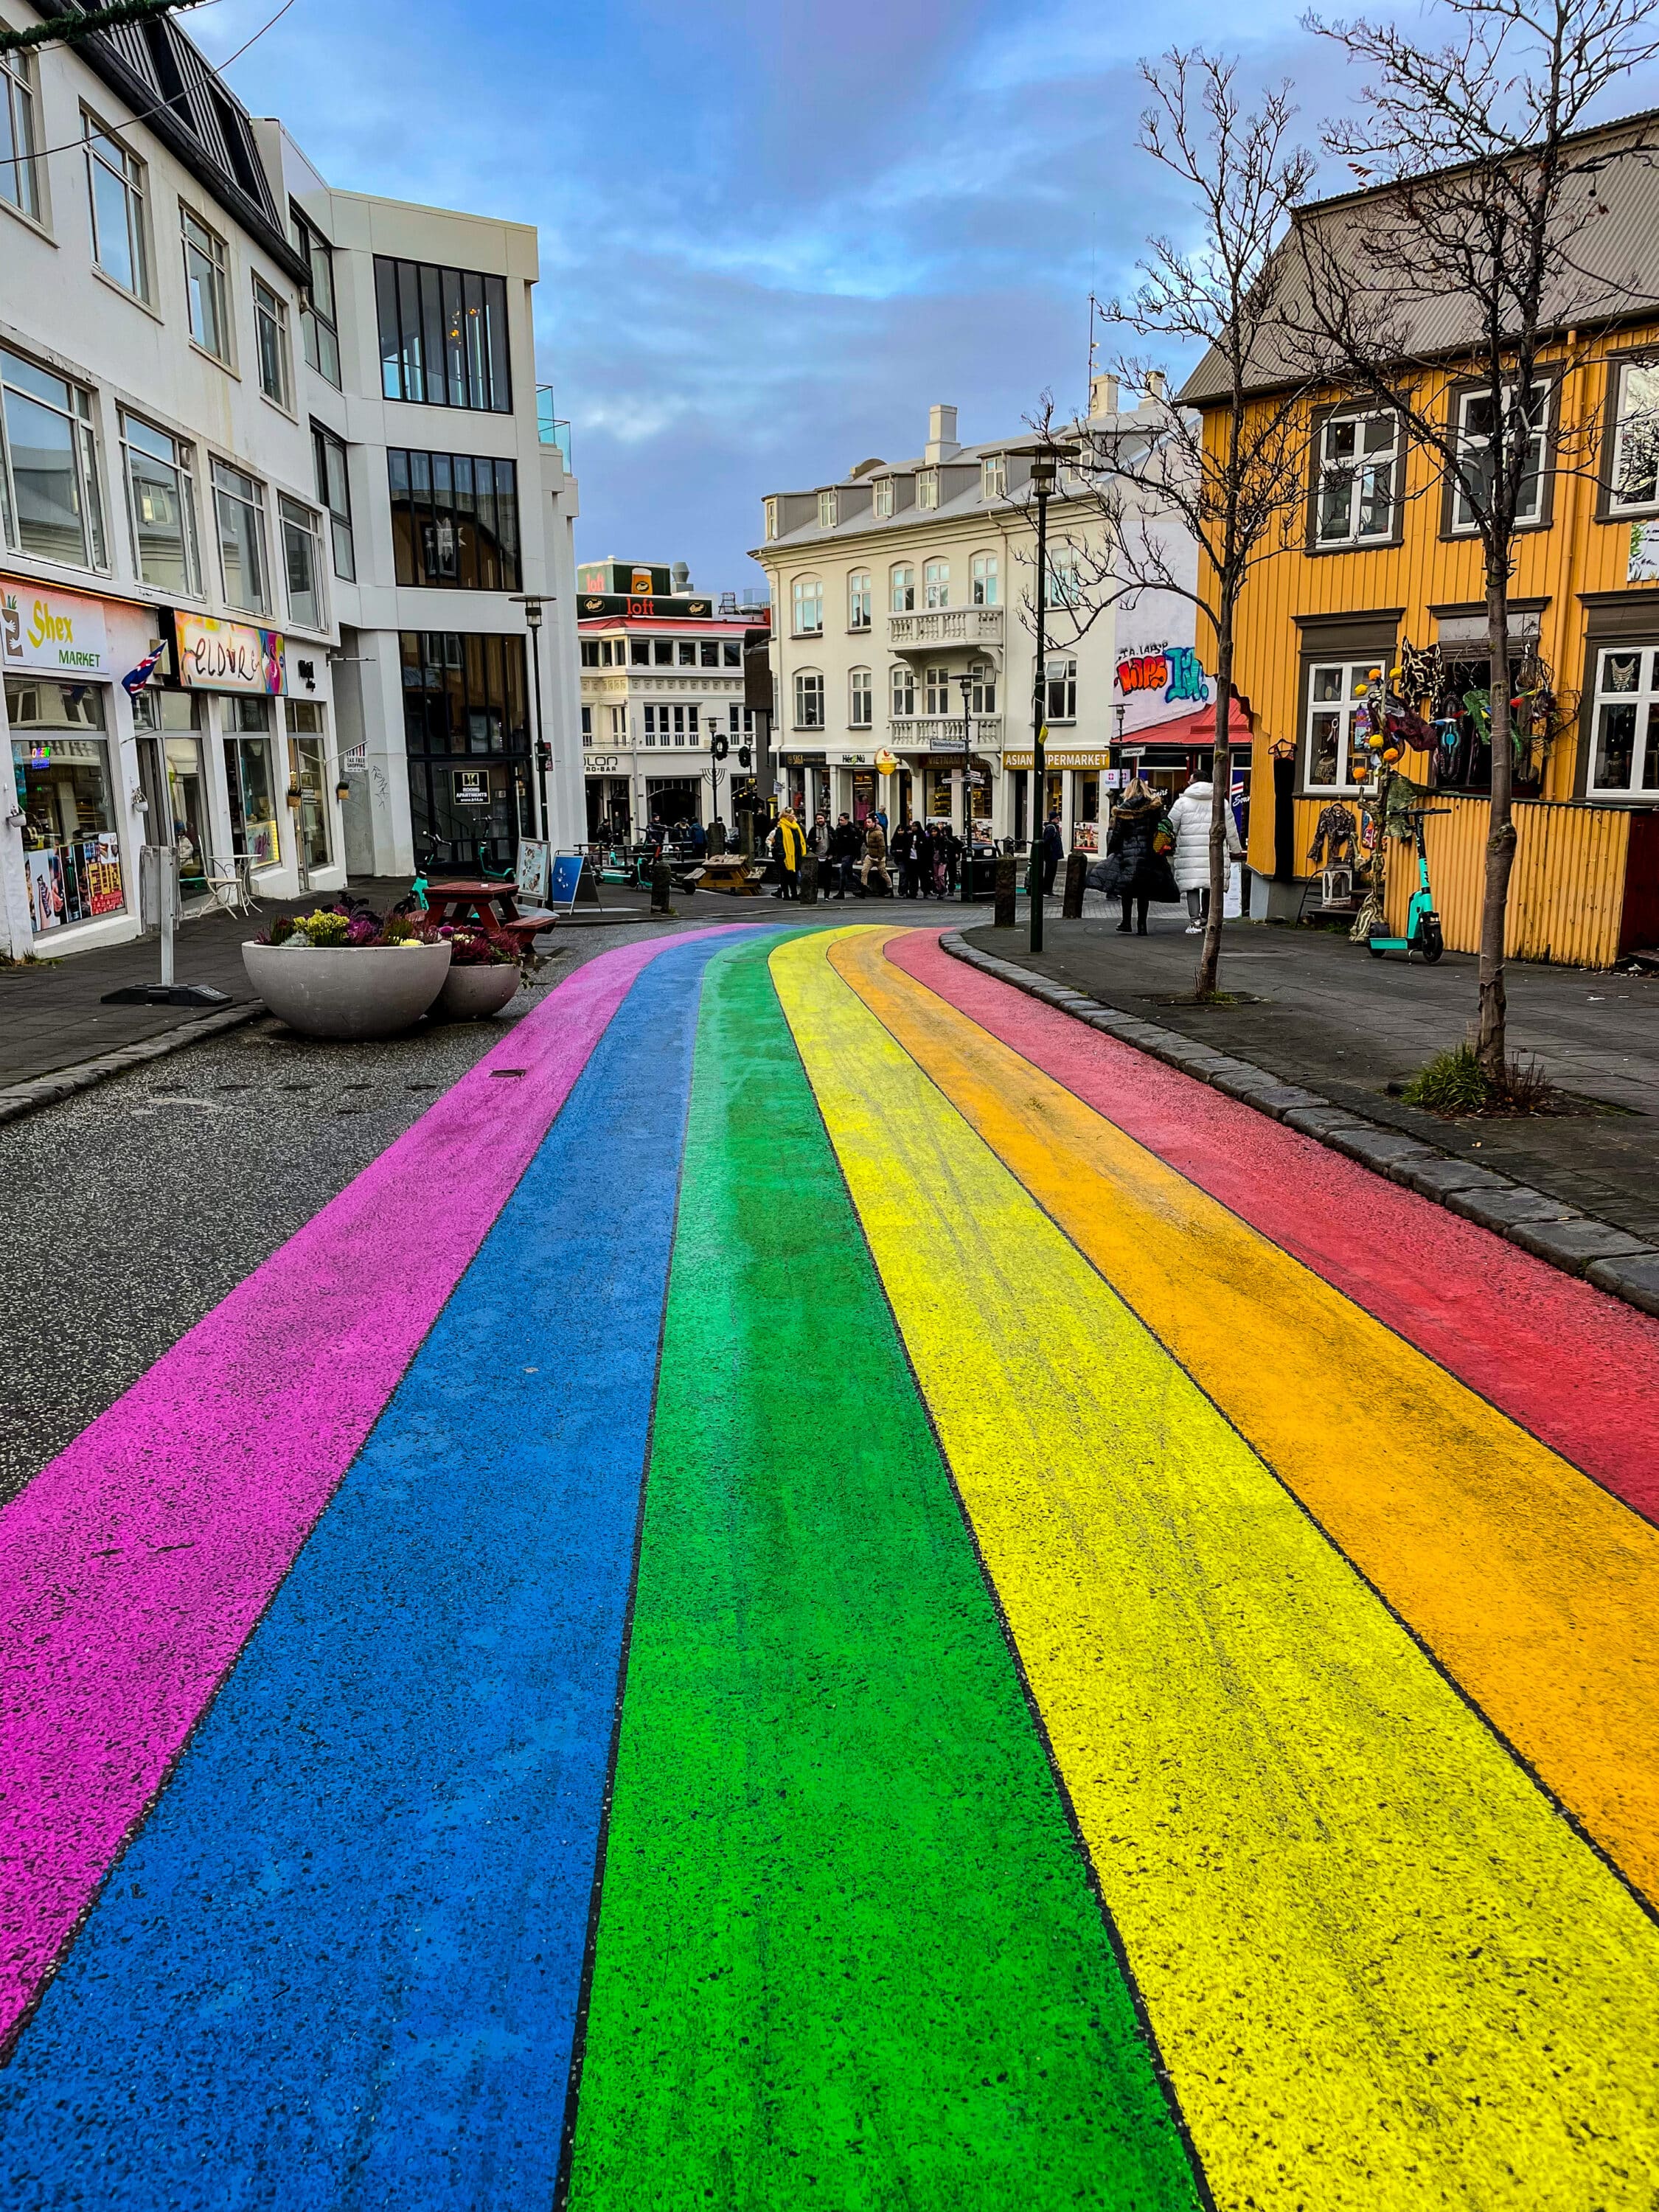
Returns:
<point x="1491" y="1041"/>
<point x="1221" y="776"/>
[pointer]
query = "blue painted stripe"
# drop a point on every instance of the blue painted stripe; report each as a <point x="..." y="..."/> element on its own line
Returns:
<point x="341" y="1964"/>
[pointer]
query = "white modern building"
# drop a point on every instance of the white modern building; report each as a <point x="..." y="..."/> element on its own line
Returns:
<point x="900" y="579"/>
<point x="204" y="640"/>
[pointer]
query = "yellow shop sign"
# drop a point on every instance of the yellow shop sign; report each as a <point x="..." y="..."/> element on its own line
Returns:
<point x="51" y="629"/>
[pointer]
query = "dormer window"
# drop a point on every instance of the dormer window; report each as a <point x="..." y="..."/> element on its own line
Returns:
<point x="882" y="498"/>
<point x="771" y="512"/>
<point x="826" y="510"/>
<point x="928" y="488"/>
<point x="993" y="477"/>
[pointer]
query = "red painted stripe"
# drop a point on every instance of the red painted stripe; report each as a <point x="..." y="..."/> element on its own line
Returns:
<point x="1576" y="1368"/>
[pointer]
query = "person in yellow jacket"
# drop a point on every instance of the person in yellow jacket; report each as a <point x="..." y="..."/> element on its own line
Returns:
<point x="788" y="844"/>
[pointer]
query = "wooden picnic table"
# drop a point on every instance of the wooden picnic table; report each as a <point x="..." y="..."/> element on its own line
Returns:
<point x="490" y="906"/>
<point x="731" y="873"/>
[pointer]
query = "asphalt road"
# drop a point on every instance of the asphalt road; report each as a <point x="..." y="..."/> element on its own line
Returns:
<point x="817" y="1585"/>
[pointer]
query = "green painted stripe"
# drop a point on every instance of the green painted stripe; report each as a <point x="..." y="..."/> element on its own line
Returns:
<point x="849" y="1952"/>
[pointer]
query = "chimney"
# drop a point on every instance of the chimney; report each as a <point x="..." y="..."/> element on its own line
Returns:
<point x="680" y="577"/>
<point x="1155" y="386"/>
<point x="941" y="434"/>
<point x="1102" y="397"/>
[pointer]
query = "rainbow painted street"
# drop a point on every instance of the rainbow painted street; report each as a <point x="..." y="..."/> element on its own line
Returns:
<point x="906" y="1609"/>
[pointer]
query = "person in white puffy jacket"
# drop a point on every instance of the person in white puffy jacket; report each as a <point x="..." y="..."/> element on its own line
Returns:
<point x="1189" y="817"/>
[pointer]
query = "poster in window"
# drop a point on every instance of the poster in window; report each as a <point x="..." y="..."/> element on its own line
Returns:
<point x="471" y="786"/>
<point x="45" y="880"/>
<point x="103" y="866"/>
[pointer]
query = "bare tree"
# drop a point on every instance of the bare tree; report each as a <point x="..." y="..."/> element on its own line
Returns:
<point x="1479" y="249"/>
<point x="1231" y="487"/>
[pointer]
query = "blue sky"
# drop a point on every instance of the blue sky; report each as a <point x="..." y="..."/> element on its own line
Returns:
<point x="771" y="236"/>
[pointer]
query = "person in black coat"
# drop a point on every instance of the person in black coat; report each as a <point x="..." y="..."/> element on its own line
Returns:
<point x="846" y="850"/>
<point x="1136" y="872"/>
<point x="1053" y="852"/>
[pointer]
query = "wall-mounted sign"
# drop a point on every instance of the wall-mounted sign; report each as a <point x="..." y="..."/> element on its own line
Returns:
<point x="354" y="759"/>
<point x="643" y="607"/>
<point x="471" y="786"/>
<point x="1051" y="759"/>
<point x="43" y="627"/>
<point x="220" y="656"/>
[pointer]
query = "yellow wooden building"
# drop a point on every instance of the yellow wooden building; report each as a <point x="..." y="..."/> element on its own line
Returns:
<point x="1383" y="557"/>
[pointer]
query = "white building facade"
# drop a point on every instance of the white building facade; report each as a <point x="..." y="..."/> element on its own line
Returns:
<point x="196" y="566"/>
<point x="899" y="580"/>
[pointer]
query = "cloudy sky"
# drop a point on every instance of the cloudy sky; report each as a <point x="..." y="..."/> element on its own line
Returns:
<point x="771" y="236"/>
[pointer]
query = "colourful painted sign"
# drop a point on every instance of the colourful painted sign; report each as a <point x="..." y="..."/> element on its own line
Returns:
<point x="50" y="629"/>
<point x="222" y="656"/>
<point x="1175" y="670"/>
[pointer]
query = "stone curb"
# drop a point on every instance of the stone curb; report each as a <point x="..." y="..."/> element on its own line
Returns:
<point x="64" y="1082"/>
<point x="1612" y="1260"/>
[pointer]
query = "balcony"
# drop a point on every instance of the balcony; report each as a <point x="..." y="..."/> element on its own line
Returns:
<point x="942" y="733"/>
<point x="552" y="430"/>
<point x="968" y="626"/>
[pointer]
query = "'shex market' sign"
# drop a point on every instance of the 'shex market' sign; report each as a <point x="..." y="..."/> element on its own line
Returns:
<point x="222" y="656"/>
<point x="43" y="627"/>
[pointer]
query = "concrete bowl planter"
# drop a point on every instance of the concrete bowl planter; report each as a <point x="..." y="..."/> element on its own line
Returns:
<point x="471" y="993"/>
<point x="354" y="992"/>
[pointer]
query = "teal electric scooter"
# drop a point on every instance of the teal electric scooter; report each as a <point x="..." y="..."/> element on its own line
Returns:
<point x="1422" y="922"/>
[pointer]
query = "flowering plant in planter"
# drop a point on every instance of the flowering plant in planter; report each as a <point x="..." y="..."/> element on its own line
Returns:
<point x="471" y="948"/>
<point x="346" y="925"/>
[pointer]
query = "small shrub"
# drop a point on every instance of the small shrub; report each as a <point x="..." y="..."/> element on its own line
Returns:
<point x="1455" y="1083"/>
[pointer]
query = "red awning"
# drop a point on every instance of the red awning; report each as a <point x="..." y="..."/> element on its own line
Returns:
<point x="1197" y="729"/>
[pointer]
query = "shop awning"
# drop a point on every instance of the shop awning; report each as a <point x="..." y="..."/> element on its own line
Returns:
<point x="1197" y="729"/>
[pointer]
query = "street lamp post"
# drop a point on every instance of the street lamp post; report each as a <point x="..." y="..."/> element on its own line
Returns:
<point x="966" y="680"/>
<point x="1045" y="460"/>
<point x="532" y="615"/>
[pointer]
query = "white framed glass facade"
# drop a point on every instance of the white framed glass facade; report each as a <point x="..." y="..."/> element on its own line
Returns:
<point x="1335" y="689"/>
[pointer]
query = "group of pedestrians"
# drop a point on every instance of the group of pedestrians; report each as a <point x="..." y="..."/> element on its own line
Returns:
<point x="1157" y="852"/>
<point x="860" y="860"/>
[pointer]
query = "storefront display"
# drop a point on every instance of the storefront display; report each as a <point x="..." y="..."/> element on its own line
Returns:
<point x="251" y="784"/>
<point x="308" y="772"/>
<point x="61" y="769"/>
<point x="167" y="724"/>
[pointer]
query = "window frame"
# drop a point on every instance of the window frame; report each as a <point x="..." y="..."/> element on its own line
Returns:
<point x="984" y="693"/>
<point x="293" y="514"/>
<point x="324" y="443"/>
<point x="907" y="570"/>
<point x="216" y="256"/>
<point x="1609" y="506"/>
<point x="804" y="696"/>
<point x="1062" y="586"/>
<point x="770" y="516"/>
<point x="257" y="507"/>
<point x="80" y="411"/>
<point x="1597" y="696"/>
<point x="882" y="499"/>
<point x="270" y="314"/>
<point x="806" y="595"/>
<point x="126" y="419"/>
<point x="315" y="326"/>
<point x="827" y="510"/>
<point x="20" y="85"/>
<point x="1321" y="472"/>
<point x="135" y="190"/>
<point x="453" y="509"/>
<point x="420" y="308"/>
<point x="985" y="579"/>
<point x="994" y="476"/>
<point x="927" y="490"/>
<point x="859" y="599"/>
<point x="936" y="680"/>
<point x="1065" y="681"/>
<point x="861" y="684"/>
<point x="1458" y="398"/>
<point x="1351" y="664"/>
<point x="935" y="579"/>
<point x="901" y="682"/>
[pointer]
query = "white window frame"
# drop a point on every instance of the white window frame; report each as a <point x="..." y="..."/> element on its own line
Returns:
<point x="806" y="599"/>
<point x="1060" y="688"/>
<point x="588" y="725"/>
<point x="1064" y="588"/>
<point x="1643" y="698"/>
<point x="809" y="699"/>
<point x="902" y="691"/>
<point x="935" y="585"/>
<point x="881" y="498"/>
<point x="859" y="601"/>
<point x="902" y="588"/>
<point x="320" y="330"/>
<point x="106" y="153"/>
<point x="1359" y="473"/>
<point x="293" y="516"/>
<point x="984" y="693"/>
<point x="80" y="413"/>
<point x="254" y="501"/>
<point x="826" y="510"/>
<point x="1463" y="524"/>
<point x="1648" y="435"/>
<point x="270" y="311"/>
<point x="183" y="464"/>
<point x="215" y="254"/>
<point x="860" y="695"/>
<point x="987" y="580"/>
<point x="20" y="167"/>
<point x="928" y="488"/>
<point x="342" y="542"/>
<point x="1355" y="676"/>
<point x="936" y="692"/>
<point x="770" y="509"/>
<point x="993" y="477"/>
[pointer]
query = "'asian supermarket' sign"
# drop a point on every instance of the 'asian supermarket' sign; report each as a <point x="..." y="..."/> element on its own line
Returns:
<point x="220" y="656"/>
<point x="50" y="629"/>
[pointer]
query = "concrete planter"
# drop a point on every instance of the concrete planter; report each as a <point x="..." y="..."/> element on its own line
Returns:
<point x="469" y="994"/>
<point x="328" y="991"/>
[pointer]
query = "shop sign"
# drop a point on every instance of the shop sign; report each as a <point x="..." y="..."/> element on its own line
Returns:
<point x="52" y="630"/>
<point x="354" y="759"/>
<point x="471" y="786"/>
<point x="222" y="656"/>
<point x="1059" y="760"/>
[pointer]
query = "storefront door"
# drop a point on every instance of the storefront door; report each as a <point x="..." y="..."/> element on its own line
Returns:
<point x="308" y="772"/>
<point x="61" y="771"/>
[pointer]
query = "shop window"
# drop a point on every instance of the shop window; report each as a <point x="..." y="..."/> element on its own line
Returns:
<point x="207" y="286"/>
<point x="904" y="693"/>
<point x="1060" y="688"/>
<point x="303" y="564"/>
<point x="993" y="482"/>
<point x="1334" y="760"/>
<point x="334" y="490"/>
<point x="271" y="345"/>
<point x="251" y="783"/>
<point x="986" y="580"/>
<point x="443" y="336"/>
<point x="903" y="595"/>
<point x="20" y="163"/>
<point x="809" y="607"/>
<point x="1358" y="478"/>
<point x="307" y="752"/>
<point x="809" y="701"/>
<point x="319" y="316"/>
<point x="858" y="600"/>
<point x="465" y="696"/>
<point x="49" y="499"/>
<point x="115" y="198"/>
<point x="175" y="717"/>
<point x="936" y="584"/>
<point x="161" y="506"/>
<point x="455" y="520"/>
<point x="881" y="498"/>
<point x="1635" y="472"/>
<point x="860" y="700"/>
<point x="1625" y="740"/>
<point x="61" y="772"/>
<point x="1478" y="455"/>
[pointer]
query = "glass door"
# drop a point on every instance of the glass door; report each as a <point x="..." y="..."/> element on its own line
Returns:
<point x="187" y="814"/>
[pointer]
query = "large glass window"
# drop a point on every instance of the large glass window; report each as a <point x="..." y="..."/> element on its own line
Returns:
<point x="1358" y="455"/>
<point x="334" y="490"/>
<point x="1624" y="758"/>
<point x="809" y="607"/>
<point x="1061" y="689"/>
<point x="303" y="564"/>
<point x="984" y="688"/>
<point x="986" y="580"/>
<point x="272" y="344"/>
<point x="115" y="190"/>
<point x="308" y="773"/>
<point x="254" y="835"/>
<point x="207" y="286"/>
<point x="1334" y="692"/>
<point x="60" y="770"/>
<point x="455" y="520"/>
<point x="860" y="700"/>
<point x="903" y="597"/>
<point x="936" y="688"/>
<point x="20" y="141"/>
<point x="1478" y="453"/>
<point x="903" y="692"/>
<point x="465" y="700"/>
<point x="161" y="503"/>
<point x="49" y="499"/>
<point x="809" y="701"/>
<point x="1634" y="485"/>
<point x="858" y="600"/>
<point x="443" y="336"/>
<point x="239" y="504"/>
<point x="936" y="584"/>
<point x="319" y="317"/>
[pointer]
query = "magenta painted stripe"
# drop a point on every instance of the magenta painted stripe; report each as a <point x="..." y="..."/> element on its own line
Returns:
<point x="134" y="1567"/>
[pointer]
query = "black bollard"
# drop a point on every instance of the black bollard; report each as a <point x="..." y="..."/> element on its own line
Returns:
<point x="809" y="879"/>
<point x="1007" y="875"/>
<point x="1077" y="871"/>
<point x="660" y="886"/>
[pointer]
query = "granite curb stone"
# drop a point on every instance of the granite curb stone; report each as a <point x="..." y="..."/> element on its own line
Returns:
<point x="1613" y="1262"/>
<point x="63" y="1083"/>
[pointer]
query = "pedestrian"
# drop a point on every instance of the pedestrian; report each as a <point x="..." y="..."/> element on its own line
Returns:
<point x="787" y="847"/>
<point x="1053" y="852"/>
<point x="924" y="858"/>
<point x="846" y="846"/>
<point x="910" y="860"/>
<point x="1190" y="818"/>
<point x="1136" y="871"/>
<point x="875" y="858"/>
<point x="699" y="837"/>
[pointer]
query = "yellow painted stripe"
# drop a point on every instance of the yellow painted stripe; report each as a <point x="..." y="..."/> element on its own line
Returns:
<point x="1384" y="1974"/>
<point x="1537" y="1591"/>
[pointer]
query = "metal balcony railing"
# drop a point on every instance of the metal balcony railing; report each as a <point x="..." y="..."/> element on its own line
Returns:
<point x="945" y="626"/>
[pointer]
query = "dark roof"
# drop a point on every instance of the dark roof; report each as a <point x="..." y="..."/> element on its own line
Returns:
<point x="1615" y="279"/>
<point x="180" y="96"/>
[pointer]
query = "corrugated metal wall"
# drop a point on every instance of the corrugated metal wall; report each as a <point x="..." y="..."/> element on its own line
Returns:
<point x="1566" y="894"/>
